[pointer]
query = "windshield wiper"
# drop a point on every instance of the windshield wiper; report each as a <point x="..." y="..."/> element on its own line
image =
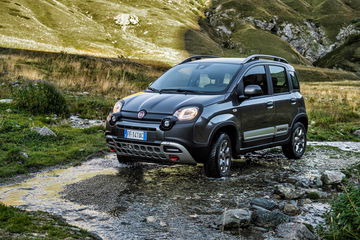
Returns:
<point x="178" y="90"/>
<point x="153" y="89"/>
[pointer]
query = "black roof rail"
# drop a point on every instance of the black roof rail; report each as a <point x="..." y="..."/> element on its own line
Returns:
<point x="194" y="58"/>
<point x="258" y="56"/>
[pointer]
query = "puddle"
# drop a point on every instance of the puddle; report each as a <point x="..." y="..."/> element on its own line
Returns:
<point x="113" y="201"/>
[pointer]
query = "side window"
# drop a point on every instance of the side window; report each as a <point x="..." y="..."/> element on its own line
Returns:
<point x="279" y="79"/>
<point x="295" y="80"/>
<point x="256" y="76"/>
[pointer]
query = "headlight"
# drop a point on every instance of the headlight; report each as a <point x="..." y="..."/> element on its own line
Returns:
<point x="187" y="113"/>
<point x="117" y="107"/>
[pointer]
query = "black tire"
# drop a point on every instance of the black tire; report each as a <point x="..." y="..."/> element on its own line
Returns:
<point x="296" y="146"/>
<point x="219" y="162"/>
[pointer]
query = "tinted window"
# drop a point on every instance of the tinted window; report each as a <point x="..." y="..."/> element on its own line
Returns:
<point x="201" y="77"/>
<point x="279" y="79"/>
<point x="256" y="76"/>
<point x="294" y="80"/>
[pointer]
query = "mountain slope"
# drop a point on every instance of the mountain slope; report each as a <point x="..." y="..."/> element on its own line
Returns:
<point x="144" y="29"/>
<point x="303" y="31"/>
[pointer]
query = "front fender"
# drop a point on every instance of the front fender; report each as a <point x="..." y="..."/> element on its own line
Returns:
<point x="205" y="129"/>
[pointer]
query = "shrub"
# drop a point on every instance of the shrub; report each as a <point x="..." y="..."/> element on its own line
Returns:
<point x="344" y="218"/>
<point x="40" y="98"/>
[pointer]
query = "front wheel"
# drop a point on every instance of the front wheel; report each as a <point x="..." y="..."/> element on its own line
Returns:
<point x="219" y="161"/>
<point x="295" y="149"/>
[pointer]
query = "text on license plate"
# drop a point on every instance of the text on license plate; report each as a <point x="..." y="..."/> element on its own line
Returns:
<point x="134" y="134"/>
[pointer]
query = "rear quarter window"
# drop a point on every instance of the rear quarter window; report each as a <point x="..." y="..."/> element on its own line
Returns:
<point x="295" y="80"/>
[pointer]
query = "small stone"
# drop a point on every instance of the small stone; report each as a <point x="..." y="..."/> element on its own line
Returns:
<point x="294" y="231"/>
<point x="316" y="194"/>
<point x="357" y="132"/>
<point x="45" y="131"/>
<point x="291" y="210"/>
<point x="306" y="201"/>
<point x="264" y="203"/>
<point x="6" y="100"/>
<point x="235" y="218"/>
<point x="24" y="154"/>
<point x="269" y="218"/>
<point x="332" y="177"/>
<point x="163" y="224"/>
<point x="150" y="219"/>
<point x="288" y="191"/>
<point x="194" y="216"/>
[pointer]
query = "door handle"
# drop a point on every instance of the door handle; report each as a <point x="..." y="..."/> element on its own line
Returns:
<point x="270" y="104"/>
<point x="293" y="101"/>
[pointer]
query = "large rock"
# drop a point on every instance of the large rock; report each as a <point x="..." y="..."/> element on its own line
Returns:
<point x="126" y="19"/>
<point x="265" y="218"/>
<point x="264" y="203"/>
<point x="332" y="177"/>
<point x="45" y="131"/>
<point x="294" y="231"/>
<point x="235" y="218"/>
<point x="288" y="191"/>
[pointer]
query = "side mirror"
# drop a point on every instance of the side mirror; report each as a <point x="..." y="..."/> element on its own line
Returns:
<point x="253" y="90"/>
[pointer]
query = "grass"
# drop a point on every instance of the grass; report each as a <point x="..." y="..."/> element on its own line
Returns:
<point x="70" y="146"/>
<point x="89" y="28"/>
<point x="333" y="108"/>
<point x="110" y="77"/>
<point x="18" y="224"/>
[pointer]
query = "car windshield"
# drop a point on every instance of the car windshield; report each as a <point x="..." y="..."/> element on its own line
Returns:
<point x="196" y="78"/>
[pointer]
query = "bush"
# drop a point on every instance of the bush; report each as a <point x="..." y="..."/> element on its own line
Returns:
<point x="40" y="98"/>
<point x="344" y="218"/>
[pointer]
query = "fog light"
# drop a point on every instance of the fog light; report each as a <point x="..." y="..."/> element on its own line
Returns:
<point x="167" y="123"/>
<point x="112" y="150"/>
<point x="174" y="158"/>
<point x="113" y="118"/>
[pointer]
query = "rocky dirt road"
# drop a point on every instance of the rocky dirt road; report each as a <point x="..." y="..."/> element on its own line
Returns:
<point x="178" y="202"/>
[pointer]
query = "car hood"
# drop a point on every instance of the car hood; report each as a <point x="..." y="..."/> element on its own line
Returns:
<point x="166" y="103"/>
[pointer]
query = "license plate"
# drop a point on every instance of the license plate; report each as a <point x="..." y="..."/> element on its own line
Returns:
<point x="134" y="134"/>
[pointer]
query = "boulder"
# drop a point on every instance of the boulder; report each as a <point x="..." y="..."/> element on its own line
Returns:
<point x="126" y="19"/>
<point x="332" y="177"/>
<point x="294" y="231"/>
<point x="288" y="191"/>
<point x="235" y="218"/>
<point x="264" y="203"/>
<point x="265" y="218"/>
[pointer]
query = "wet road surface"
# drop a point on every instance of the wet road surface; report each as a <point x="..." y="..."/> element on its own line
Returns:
<point x="113" y="201"/>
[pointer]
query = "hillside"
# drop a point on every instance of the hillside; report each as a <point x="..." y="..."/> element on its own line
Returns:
<point x="149" y="30"/>
<point x="303" y="31"/>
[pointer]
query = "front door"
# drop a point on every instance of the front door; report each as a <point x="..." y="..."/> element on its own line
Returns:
<point x="256" y="113"/>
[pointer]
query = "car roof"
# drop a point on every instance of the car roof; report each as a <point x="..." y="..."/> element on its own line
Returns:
<point x="239" y="61"/>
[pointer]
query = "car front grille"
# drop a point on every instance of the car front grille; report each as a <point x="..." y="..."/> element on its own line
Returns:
<point x="138" y="150"/>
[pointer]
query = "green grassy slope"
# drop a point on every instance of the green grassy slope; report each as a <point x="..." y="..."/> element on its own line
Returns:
<point x="346" y="57"/>
<point x="88" y="27"/>
<point x="167" y="30"/>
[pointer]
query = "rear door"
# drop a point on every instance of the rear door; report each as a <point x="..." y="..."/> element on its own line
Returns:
<point x="285" y="102"/>
<point x="256" y="113"/>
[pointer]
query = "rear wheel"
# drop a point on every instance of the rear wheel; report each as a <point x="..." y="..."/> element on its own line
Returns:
<point x="219" y="161"/>
<point x="295" y="149"/>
